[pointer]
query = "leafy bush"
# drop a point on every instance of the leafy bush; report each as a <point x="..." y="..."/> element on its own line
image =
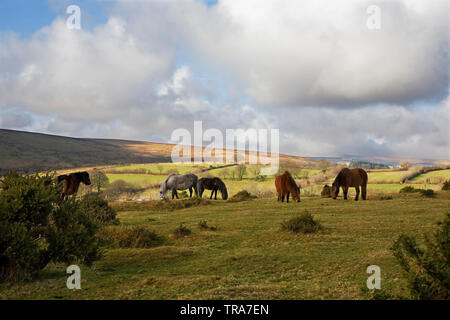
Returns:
<point x="181" y="231"/>
<point x="36" y="228"/>
<point x="129" y="237"/>
<point x="304" y="223"/>
<point x="427" y="268"/>
<point x="243" y="195"/>
<point x="446" y="185"/>
<point x="98" y="209"/>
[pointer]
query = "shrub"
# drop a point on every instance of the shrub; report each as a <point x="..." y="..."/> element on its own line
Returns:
<point x="129" y="237"/>
<point x="427" y="267"/>
<point x="242" y="195"/>
<point x="427" y="193"/>
<point x="98" y="209"/>
<point x="446" y="185"/>
<point x="204" y="226"/>
<point x="181" y="231"/>
<point x="304" y="223"/>
<point x="36" y="228"/>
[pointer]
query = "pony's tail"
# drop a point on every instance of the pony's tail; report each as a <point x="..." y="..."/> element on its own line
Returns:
<point x="223" y="190"/>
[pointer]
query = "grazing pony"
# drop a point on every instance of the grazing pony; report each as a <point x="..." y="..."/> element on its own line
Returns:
<point x="286" y="185"/>
<point x="350" y="178"/>
<point x="213" y="184"/>
<point x="71" y="183"/>
<point x="176" y="182"/>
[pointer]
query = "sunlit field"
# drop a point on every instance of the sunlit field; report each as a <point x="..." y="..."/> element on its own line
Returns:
<point x="248" y="256"/>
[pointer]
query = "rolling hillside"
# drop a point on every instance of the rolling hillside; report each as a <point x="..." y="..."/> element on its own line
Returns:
<point x="29" y="152"/>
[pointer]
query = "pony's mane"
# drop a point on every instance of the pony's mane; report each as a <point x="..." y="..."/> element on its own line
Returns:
<point x="222" y="188"/>
<point x="338" y="179"/>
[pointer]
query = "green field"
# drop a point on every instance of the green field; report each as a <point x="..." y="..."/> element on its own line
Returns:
<point x="431" y="176"/>
<point x="249" y="256"/>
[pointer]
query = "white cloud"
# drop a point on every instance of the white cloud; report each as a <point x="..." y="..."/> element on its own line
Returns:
<point x="123" y="80"/>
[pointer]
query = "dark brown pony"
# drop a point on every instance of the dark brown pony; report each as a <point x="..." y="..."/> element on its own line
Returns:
<point x="347" y="178"/>
<point x="286" y="185"/>
<point x="71" y="182"/>
<point x="213" y="184"/>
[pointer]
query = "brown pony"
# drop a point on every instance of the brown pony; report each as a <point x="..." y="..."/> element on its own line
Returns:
<point x="350" y="178"/>
<point x="213" y="184"/>
<point x="286" y="185"/>
<point x="71" y="182"/>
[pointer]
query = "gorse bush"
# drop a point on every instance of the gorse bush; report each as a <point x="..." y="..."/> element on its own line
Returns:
<point x="304" y="223"/>
<point x="427" y="267"/>
<point x="98" y="209"/>
<point x="36" y="228"/>
<point x="129" y="237"/>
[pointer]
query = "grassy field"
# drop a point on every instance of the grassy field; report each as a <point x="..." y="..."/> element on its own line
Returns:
<point x="249" y="256"/>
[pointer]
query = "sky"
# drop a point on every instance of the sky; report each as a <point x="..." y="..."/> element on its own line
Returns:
<point x="333" y="77"/>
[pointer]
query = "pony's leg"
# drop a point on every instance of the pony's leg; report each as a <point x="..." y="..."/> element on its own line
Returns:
<point x="282" y="197"/>
<point x="345" y="192"/>
<point x="176" y="194"/>
<point x="279" y="196"/>
<point x="215" y="194"/>
<point x="287" y="197"/>
<point x="364" y="191"/>
<point x="357" y="193"/>
<point x="190" y="192"/>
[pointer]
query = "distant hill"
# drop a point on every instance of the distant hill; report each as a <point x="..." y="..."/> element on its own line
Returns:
<point x="29" y="152"/>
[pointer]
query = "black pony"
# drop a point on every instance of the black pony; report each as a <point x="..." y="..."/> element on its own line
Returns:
<point x="213" y="184"/>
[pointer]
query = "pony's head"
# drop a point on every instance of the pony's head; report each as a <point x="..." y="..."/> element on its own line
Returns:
<point x="82" y="177"/>
<point x="163" y="191"/>
<point x="296" y="195"/>
<point x="334" y="190"/>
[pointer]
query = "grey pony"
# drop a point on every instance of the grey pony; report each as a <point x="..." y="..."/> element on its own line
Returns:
<point x="176" y="182"/>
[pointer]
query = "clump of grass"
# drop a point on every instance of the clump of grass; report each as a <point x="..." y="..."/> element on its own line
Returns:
<point x="171" y="205"/>
<point x="129" y="237"/>
<point x="305" y="223"/>
<point x="181" y="231"/>
<point x="168" y="205"/>
<point x="203" y="225"/>
<point x="242" y="195"/>
<point x="388" y="197"/>
<point x="408" y="189"/>
<point x="427" y="193"/>
<point x="446" y="185"/>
